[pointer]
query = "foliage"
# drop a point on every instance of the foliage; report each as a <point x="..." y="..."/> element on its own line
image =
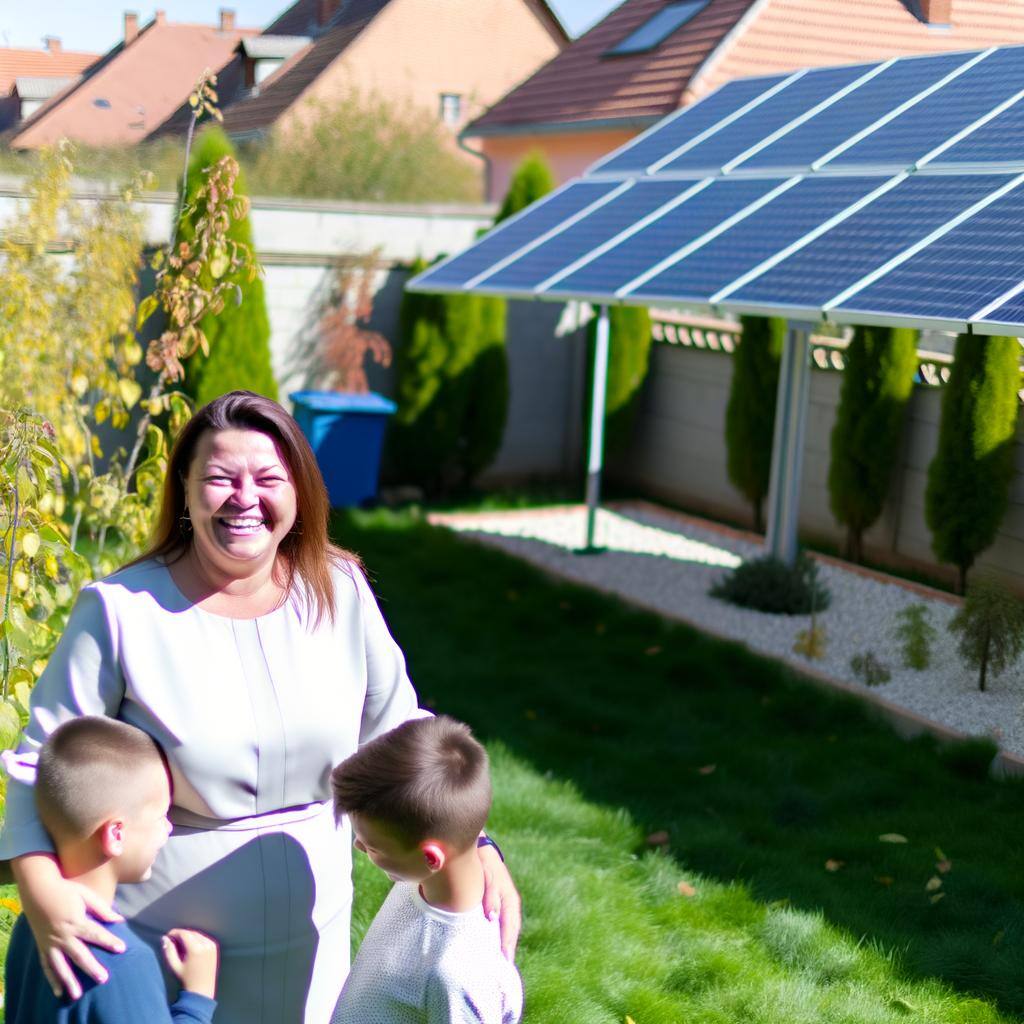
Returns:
<point x="869" y="670"/>
<point x="238" y="330"/>
<point x="343" y="339"/>
<point x="877" y="382"/>
<point x="531" y="181"/>
<point x="916" y="635"/>
<point x="969" y="477"/>
<point x="769" y="585"/>
<point x="990" y="626"/>
<point x="452" y="390"/>
<point x="812" y="641"/>
<point x="82" y="453"/>
<point x="750" y="414"/>
<point x="629" y="347"/>
<point x="362" y="146"/>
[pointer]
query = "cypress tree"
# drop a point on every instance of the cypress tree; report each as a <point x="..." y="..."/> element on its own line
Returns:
<point x="969" y="478"/>
<point x="629" y="348"/>
<point x="878" y="380"/>
<point x="239" y="335"/>
<point x="750" y="414"/>
<point x="532" y="180"/>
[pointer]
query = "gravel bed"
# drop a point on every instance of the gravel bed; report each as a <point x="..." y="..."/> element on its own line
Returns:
<point x="669" y="566"/>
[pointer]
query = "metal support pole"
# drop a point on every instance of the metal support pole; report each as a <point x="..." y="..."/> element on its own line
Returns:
<point x="595" y="459"/>
<point x="788" y="444"/>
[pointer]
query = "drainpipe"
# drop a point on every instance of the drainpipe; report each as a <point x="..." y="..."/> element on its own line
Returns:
<point x="480" y="155"/>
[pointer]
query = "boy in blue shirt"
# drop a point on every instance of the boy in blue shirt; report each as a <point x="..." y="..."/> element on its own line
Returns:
<point x="103" y="794"/>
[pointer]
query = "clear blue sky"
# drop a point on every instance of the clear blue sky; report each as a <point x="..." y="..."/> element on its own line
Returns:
<point x="95" y="25"/>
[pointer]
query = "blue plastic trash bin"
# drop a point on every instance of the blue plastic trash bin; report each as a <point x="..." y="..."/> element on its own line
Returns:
<point x="346" y="433"/>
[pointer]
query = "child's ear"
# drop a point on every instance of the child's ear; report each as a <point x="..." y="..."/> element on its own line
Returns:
<point x="434" y="855"/>
<point x="112" y="837"/>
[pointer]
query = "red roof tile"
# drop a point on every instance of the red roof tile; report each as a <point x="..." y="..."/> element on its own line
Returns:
<point x="581" y="84"/>
<point x="40" y="64"/>
<point x="142" y="84"/>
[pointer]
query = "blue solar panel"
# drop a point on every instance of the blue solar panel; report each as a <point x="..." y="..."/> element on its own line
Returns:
<point x="1001" y="140"/>
<point x="940" y="115"/>
<point x="796" y="99"/>
<point x="863" y="242"/>
<point x="957" y="275"/>
<point x="778" y="224"/>
<point x="507" y="238"/>
<point x="586" y="235"/>
<point x="854" y="112"/>
<point x="672" y="133"/>
<point x="1011" y="312"/>
<point x="680" y="226"/>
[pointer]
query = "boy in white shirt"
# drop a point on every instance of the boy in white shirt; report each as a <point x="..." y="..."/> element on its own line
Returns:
<point x="418" y="798"/>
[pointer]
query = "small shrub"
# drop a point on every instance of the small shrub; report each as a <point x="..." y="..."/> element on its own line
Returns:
<point x="991" y="628"/>
<point x="971" y="758"/>
<point x="769" y="585"/>
<point x="915" y="634"/>
<point x="869" y="670"/>
<point x="811" y="642"/>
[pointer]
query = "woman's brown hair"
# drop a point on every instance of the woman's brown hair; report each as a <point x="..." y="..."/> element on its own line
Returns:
<point x="306" y="551"/>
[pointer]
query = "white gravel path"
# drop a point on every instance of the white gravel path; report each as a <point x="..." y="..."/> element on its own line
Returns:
<point x="667" y="564"/>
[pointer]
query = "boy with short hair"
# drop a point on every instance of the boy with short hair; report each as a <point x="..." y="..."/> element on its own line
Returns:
<point x="103" y="793"/>
<point x="418" y="798"/>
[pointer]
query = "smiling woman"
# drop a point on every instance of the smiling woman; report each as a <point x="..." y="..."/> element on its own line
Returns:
<point x="252" y="650"/>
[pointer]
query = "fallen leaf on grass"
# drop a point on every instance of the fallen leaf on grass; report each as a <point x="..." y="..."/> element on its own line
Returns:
<point x="892" y="837"/>
<point x="936" y="897"/>
<point x="933" y="884"/>
<point x="834" y="865"/>
<point x="943" y="864"/>
<point x="659" y="838"/>
<point x="629" y="1020"/>
<point x="884" y="879"/>
<point x="685" y="889"/>
<point x="651" y="651"/>
<point x="13" y="905"/>
<point x="708" y="769"/>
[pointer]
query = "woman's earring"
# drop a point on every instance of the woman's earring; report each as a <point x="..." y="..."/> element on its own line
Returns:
<point x="185" y="523"/>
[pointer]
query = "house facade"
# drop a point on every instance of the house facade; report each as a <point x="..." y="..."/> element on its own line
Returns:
<point x="451" y="58"/>
<point x="650" y="57"/>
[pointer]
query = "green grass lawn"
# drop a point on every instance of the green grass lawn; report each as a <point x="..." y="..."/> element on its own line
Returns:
<point x="607" y="725"/>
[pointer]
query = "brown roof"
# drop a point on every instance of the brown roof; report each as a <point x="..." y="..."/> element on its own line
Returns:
<point x="728" y="39"/>
<point x="581" y="84"/>
<point x="282" y="89"/>
<point x="139" y="86"/>
<point x="41" y="64"/>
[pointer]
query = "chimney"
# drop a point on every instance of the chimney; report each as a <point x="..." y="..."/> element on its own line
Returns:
<point x="325" y="10"/>
<point x="227" y="19"/>
<point x="131" y="26"/>
<point x="159" y="18"/>
<point x="937" y="12"/>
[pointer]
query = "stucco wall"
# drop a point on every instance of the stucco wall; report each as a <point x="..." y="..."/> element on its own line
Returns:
<point x="678" y="454"/>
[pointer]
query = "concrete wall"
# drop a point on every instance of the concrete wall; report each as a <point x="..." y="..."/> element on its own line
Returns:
<point x="678" y="454"/>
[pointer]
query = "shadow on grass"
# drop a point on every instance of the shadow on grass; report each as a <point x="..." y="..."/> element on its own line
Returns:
<point x="754" y="775"/>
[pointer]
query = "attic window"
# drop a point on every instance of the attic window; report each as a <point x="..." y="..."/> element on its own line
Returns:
<point x="658" y="28"/>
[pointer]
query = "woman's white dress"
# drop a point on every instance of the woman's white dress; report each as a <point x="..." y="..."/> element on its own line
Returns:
<point x="252" y="715"/>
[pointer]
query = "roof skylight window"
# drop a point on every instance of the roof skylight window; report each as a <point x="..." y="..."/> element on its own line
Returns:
<point x="658" y="28"/>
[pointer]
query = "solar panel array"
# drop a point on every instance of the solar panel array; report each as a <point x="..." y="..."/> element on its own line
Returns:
<point x="874" y="193"/>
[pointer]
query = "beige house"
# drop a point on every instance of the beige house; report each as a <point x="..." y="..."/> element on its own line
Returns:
<point x="451" y="58"/>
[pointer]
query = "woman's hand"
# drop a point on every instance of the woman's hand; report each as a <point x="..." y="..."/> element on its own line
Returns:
<point x="56" y="911"/>
<point x="501" y="899"/>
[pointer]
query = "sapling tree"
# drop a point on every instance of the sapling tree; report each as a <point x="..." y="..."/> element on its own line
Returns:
<point x="915" y="635"/>
<point x="990" y="626"/>
<point x="969" y="478"/>
<point x="750" y="414"/>
<point x="878" y="380"/>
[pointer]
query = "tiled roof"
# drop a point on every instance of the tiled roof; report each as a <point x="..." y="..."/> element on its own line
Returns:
<point x="580" y="84"/>
<point x="138" y="85"/>
<point x="789" y="34"/>
<point x="290" y="81"/>
<point x="40" y="64"/>
<point x="730" y="39"/>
